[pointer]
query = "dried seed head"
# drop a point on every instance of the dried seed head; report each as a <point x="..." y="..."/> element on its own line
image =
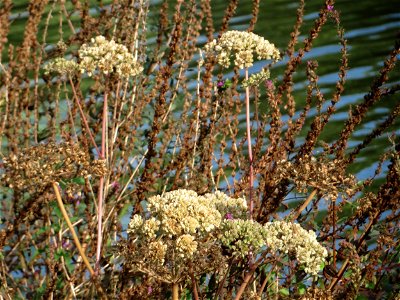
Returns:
<point x="34" y="168"/>
<point x="318" y="172"/>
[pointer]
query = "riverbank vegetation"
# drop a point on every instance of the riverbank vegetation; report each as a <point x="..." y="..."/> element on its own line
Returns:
<point x="142" y="157"/>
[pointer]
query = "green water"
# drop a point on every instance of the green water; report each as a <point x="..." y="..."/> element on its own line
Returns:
<point x="370" y="29"/>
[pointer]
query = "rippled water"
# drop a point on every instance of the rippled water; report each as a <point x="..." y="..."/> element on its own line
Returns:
<point x="370" y="29"/>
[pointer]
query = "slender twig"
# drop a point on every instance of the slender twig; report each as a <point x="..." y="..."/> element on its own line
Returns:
<point x="304" y="205"/>
<point x="359" y="243"/>
<point x="334" y="233"/>
<point x="83" y="116"/>
<point x="267" y="279"/>
<point x="249" y="275"/>
<point x="101" y="184"/>
<point x="71" y="228"/>
<point x="251" y="178"/>
<point x="198" y="114"/>
<point x="194" y="292"/>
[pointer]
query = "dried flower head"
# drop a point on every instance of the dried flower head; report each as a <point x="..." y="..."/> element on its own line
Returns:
<point x="243" y="47"/>
<point x="108" y="57"/>
<point x="186" y="245"/>
<point x="320" y="173"/>
<point x="156" y="252"/>
<point x="34" y="168"/>
<point x="61" y="47"/>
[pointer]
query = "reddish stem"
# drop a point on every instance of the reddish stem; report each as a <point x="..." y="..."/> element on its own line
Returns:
<point x="251" y="175"/>
<point x="83" y="116"/>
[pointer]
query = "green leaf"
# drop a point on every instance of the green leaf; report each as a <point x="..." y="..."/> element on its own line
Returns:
<point x="284" y="292"/>
<point x="79" y="180"/>
<point x="227" y="84"/>
<point x="370" y="285"/>
<point x="59" y="253"/>
<point x="62" y="184"/>
<point x="56" y="210"/>
<point x="302" y="288"/>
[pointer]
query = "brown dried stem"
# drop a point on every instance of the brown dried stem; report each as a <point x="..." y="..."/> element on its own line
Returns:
<point x="71" y="229"/>
<point x="304" y="205"/>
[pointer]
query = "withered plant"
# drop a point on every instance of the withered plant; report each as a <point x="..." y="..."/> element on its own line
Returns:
<point x="124" y="102"/>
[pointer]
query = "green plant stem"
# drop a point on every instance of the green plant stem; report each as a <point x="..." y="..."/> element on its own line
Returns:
<point x="71" y="229"/>
<point x="175" y="291"/>
<point x="304" y="205"/>
<point x="251" y="171"/>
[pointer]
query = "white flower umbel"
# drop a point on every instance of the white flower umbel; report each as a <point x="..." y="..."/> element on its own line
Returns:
<point x="256" y="79"/>
<point x="61" y="66"/>
<point x="242" y="236"/>
<point x="108" y="57"/>
<point x="181" y="219"/>
<point x="285" y="236"/>
<point x="243" y="47"/>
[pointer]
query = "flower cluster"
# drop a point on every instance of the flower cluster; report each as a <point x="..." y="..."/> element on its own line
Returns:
<point x="181" y="229"/>
<point x="108" y="57"/>
<point x="256" y="79"/>
<point x="243" y="47"/>
<point x="184" y="225"/>
<point x="156" y="252"/>
<point x="291" y="237"/>
<point x="242" y="236"/>
<point x="186" y="245"/>
<point x="105" y="56"/>
<point x="61" y="66"/>
<point x="183" y="212"/>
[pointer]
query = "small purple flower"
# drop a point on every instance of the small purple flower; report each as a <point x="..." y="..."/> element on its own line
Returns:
<point x="75" y="197"/>
<point x="229" y="216"/>
<point x="269" y="84"/>
<point x="220" y="83"/>
<point x="149" y="290"/>
<point x="115" y="185"/>
<point x="65" y="244"/>
<point x="330" y="7"/>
